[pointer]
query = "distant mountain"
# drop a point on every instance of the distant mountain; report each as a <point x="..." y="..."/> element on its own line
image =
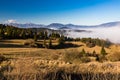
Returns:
<point x="110" y="24"/>
<point x="27" y="25"/>
<point x="55" y="26"/>
<point x="72" y="26"/>
<point x="65" y="26"/>
<point x="58" y="26"/>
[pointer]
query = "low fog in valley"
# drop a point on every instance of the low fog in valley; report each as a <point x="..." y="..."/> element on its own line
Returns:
<point x="110" y="33"/>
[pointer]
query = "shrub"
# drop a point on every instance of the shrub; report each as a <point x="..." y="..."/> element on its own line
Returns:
<point x="85" y="59"/>
<point x="101" y="58"/>
<point x="90" y="45"/>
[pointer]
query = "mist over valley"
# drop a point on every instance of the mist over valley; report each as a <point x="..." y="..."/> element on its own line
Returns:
<point x="110" y="31"/>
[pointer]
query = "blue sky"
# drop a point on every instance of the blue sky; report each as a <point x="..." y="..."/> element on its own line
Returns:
<point x="83" y="12"/>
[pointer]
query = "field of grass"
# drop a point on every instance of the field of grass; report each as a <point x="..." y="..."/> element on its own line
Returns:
<point x="25" y="63"/>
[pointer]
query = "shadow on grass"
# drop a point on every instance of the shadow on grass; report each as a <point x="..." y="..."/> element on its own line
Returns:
<point x="7" y="45"/>
<point x="36" y="45"/>
<point x="61" y="75"/>
<point x="66" y="45"/>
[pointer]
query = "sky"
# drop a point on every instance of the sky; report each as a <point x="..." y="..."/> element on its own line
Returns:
<point x="81" y="12"/>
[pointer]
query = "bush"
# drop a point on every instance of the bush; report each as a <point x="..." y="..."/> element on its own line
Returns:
<point x="90" y="45"/>
<point x="85" y="59"/>
<point x="101" y="58"/>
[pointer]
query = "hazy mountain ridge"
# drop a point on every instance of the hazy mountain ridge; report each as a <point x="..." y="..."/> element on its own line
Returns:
<point x="110" y="24"/>
<point x="27" y="25"/>
<point x="58" y="26"/>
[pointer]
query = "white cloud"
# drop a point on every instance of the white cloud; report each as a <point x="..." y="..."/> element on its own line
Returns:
<point x="11" y="21"/>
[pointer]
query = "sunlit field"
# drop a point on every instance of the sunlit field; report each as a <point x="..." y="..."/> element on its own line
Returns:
<point x="23" y="62"/>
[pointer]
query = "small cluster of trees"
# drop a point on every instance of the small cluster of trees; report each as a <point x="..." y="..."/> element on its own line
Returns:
<point x="91" y="42"/>
<point x="85" y="57"/>
<point x="99" y="57"/>
<point x="61" y="42"/>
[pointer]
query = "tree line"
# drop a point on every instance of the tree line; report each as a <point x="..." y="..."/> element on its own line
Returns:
<point x="11" y="32"/>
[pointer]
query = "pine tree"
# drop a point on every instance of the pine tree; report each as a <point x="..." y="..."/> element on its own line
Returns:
<point x="94" y="52"/>
<point x="35" y="37"/>
<point x="103" y="52"/>
<point x="50" y="43"/>
<point x="44" y="44"/>
<point x="46" y="35"/>
<point x="61" y="40"/>
<point x="22" y="34"/>
<point x="1" y="34"/>
<point x="83" y="52"/>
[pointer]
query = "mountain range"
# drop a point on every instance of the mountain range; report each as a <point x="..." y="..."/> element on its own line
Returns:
<point x="59" y="26"/>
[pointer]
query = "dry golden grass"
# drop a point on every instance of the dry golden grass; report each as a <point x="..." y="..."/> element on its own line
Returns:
<point x="48" y="53"/>
<point x="30" y="66"/>
<point x="39" y="60"/>
<point x="20" y="49"/>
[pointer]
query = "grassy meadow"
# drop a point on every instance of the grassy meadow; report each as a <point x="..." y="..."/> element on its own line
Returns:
<point x="22" y="62"/>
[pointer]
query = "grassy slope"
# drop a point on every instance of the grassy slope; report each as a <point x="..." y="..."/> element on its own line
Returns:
<point x="34" y="60"/>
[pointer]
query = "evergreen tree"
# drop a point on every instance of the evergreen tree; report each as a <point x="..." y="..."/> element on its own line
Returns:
<point x="35" y="37"/>
<point x="30" y="33"/>
<point x="1" y="34"/>
<point x="44" y="44"/>
<point x="61" y="40"/>
<point x="9" y="32"/>
<point x="22" y="34"/>
<point x="50" y="43"/>
<point x="46" y="35"/>
<point x="103" y="52"/>
<point x="14" y="34"/>
<point x="83" y="52"/>
<point x="94" y="52"/>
